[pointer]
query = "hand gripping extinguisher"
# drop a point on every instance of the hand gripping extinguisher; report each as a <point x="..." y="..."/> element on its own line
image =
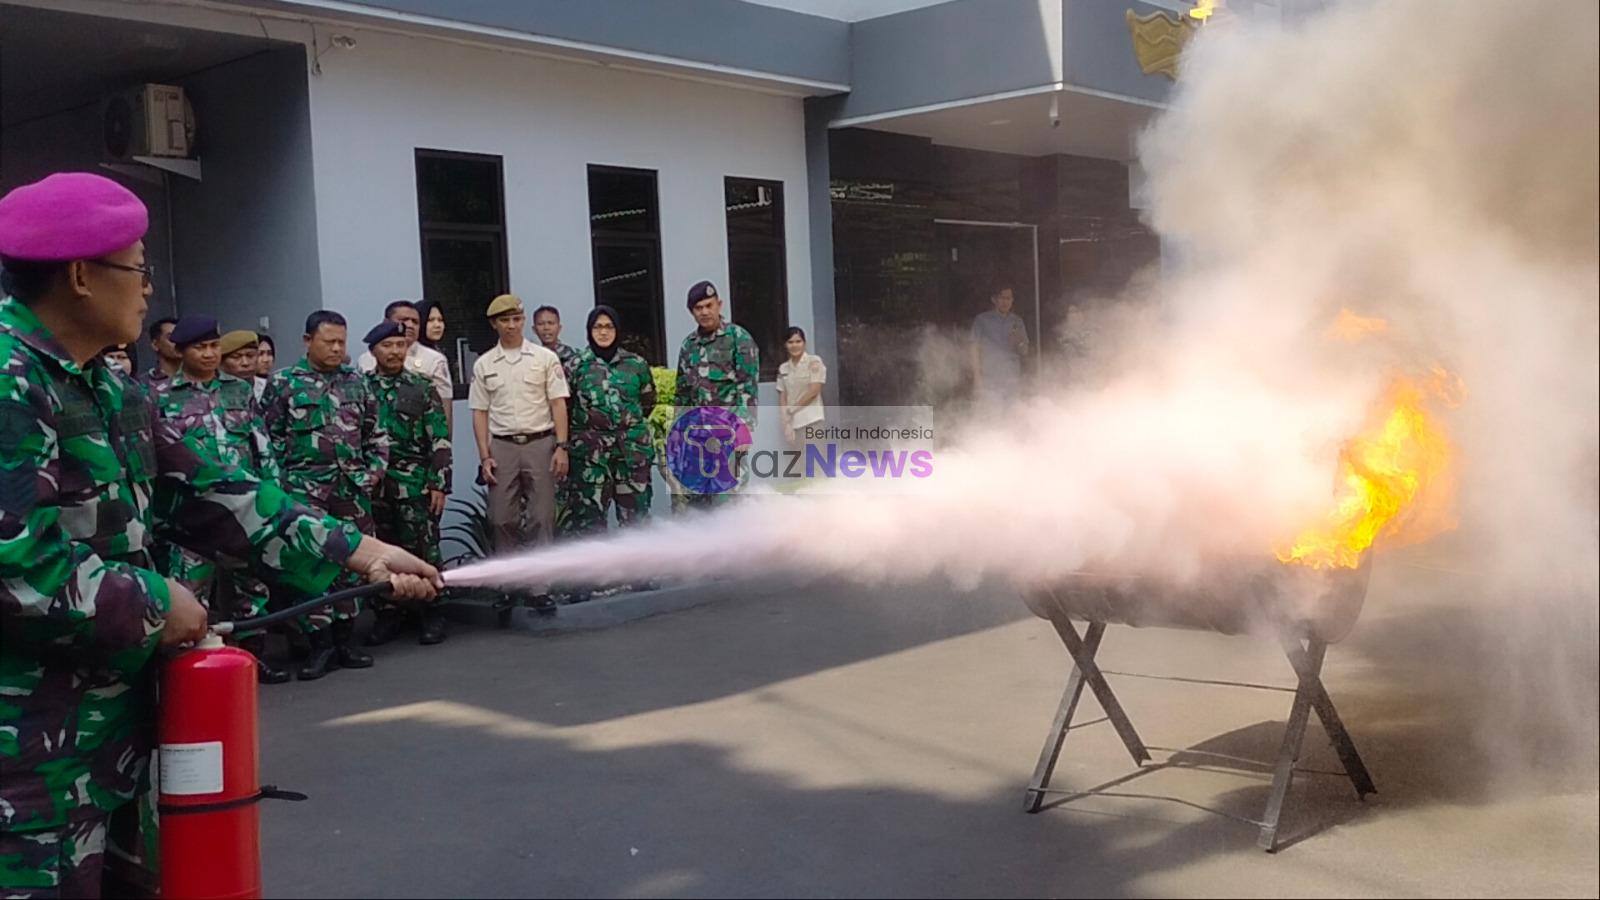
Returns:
<point x="209" y="771"/>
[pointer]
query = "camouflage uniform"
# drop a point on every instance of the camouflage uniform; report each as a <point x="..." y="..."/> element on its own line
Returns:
<point x="566" y="496"/>
<point x="223" y="412"/>
<point x="566" y="354"/>
<point x="331" y="451"/>
<point x="412" y="415"/>
<point x="151" y="377"/>
<point x="722" y="368"/>
<point x="86" y="474"/>
<point x="611" y="446"/>
<point x="719" y="369"/>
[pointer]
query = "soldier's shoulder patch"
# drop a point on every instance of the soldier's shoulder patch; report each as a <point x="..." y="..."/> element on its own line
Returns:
<point x="19" y="490"/>
<point x="17" y="424"/>
<point x="19" y="487"/>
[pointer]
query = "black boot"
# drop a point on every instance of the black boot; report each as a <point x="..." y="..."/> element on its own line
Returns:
<point x="388" y="625"/>
<point x="266" y="673"/>
<point x="322" y="659"/>
<point x="299" y="642"/>
<point x="432" y="627"/>
<point x="350" y="657"/>
<point x="502" y="606"/>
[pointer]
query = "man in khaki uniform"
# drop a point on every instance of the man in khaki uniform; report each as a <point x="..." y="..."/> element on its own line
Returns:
<point x="518" y="400"/>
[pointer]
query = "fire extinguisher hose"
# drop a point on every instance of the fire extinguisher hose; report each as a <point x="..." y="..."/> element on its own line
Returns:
<point x="241" y="626"/>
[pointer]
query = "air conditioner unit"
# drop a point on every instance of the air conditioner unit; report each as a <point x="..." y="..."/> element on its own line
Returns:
<point x="148" y="120"/>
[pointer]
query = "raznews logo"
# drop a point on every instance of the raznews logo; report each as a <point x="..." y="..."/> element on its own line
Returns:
<point x="828" y="461"/>
<point x="701" y="449"/>
<point x="704" y="455"/>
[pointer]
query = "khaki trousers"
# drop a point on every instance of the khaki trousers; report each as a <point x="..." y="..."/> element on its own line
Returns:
<point x="524" y="485"/>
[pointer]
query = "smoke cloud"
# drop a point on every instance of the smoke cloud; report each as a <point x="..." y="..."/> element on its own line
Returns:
<point x="1428" y="163"/>
<point x="1403" y="161"/>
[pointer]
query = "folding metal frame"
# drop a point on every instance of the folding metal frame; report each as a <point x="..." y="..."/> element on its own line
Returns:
<point x="1305" y="654"/>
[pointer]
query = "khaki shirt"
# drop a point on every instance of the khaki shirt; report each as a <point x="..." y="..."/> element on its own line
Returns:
<point x="794" y="379"/>
<point x="516" y="387"/>
<point x="425" y="361"/>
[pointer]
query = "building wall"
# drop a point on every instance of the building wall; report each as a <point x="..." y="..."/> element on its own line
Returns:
<point x="241" y="243"/>
<point x="952" y="51"/>
<point x="721" y="33"/>
<point x="372" y="106"/>
<point x="1098" y="48"/>
<point x="819" y="111"/>
<point x="70" y="141"/>
<point x="245" y="237"/>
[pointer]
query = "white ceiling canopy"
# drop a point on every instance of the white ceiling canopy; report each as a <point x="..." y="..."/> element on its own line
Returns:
<point x="1033" y="124"/>
<point x="848" y="10"/>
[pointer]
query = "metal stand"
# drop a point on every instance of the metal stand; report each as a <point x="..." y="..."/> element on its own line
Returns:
<point x="1305" y="655"/>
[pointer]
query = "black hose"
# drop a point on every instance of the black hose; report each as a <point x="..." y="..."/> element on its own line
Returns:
<point x="299" y="609"/>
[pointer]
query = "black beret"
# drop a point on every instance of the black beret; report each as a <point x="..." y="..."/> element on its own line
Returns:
<point x="382" y="331"/>
<point x="701" y="291"/>
<point x="194" y="329"/>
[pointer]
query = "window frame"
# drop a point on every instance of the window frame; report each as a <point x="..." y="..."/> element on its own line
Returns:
<point x="430" y="230"/>
<point x="650" y="240"/>
<point x="776" y="243"/>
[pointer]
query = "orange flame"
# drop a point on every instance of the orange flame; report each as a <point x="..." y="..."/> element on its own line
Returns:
<point x="1396" y="480"/>
<point x="1351" y="327"/>
<point x="1203" y="10"/>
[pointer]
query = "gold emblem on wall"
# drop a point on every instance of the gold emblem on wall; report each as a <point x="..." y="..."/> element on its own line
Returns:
<point x="1158" y="40"/>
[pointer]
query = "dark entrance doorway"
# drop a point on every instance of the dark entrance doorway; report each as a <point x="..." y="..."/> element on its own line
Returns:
<point x="978" y="258"/>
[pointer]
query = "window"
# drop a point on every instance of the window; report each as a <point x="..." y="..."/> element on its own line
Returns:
<point x="461" y="205"/>
<point x="625" y="239"/>
<point x="759" y="289"/>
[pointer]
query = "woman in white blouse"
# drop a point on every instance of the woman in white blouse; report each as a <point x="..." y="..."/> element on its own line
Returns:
<point x="800" y="381"/>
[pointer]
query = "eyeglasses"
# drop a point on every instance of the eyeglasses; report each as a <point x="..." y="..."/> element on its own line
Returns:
<point x="148" y="271"/>
<point x="604" y="328"/>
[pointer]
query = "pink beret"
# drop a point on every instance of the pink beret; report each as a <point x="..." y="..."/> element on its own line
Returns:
<point x="70" y="215"/>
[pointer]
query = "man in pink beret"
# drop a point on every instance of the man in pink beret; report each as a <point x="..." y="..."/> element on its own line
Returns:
<point x="85" y="233"/>
<point x="83" y="468"/>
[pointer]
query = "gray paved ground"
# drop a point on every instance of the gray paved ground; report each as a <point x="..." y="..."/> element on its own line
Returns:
<point x="836" y="742"/>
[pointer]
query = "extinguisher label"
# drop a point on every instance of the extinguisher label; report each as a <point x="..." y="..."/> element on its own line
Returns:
<point x="191" y="768"/>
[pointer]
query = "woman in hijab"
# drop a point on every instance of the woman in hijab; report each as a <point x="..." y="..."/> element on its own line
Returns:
<point x="612" y="396"/>
<point x="432" y="324"/>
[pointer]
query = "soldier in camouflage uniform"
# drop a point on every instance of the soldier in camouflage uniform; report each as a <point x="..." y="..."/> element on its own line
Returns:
<point x="322" y="419"/>
<point x="718" y="365"/>
<point x="418" y="478"/>
<point x="238" y="349"/>
<point x="87" y="476"/>
<point x="167" y="361"/>
<point x="612" y="396"/>
<point x="221" y="410"/>
<point x="547" y="328"/>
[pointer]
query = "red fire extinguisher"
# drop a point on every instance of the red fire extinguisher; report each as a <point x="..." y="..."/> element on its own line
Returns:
<point x="209" y="774"/>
